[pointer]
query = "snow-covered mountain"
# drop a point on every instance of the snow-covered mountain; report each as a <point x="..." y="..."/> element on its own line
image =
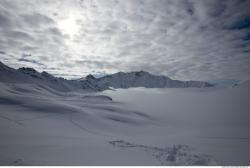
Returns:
<point x="145" y="79"/>
<point x="44" y="120"/>
<point x="43" y="79"/>
<point x="117" y="80"/>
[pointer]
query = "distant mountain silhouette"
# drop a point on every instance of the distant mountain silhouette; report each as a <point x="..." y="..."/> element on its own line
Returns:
<point x="117" y="80"/>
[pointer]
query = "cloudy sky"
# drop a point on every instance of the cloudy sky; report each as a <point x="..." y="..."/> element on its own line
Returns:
<point x="183" y="39"/>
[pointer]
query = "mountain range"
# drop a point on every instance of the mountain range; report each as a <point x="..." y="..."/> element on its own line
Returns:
<point x="117" y="80"/>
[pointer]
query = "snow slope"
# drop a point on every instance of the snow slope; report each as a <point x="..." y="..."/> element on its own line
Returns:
<point x="52" y="121"/>
<point x="43" y="128"/>
<point x="123" y="127"/>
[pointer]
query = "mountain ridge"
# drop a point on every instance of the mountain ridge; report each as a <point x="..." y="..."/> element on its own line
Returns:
<point x="116" y="80"/>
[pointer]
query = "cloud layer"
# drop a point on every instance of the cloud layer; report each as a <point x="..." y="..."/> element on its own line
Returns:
<point x="183" y="39"/>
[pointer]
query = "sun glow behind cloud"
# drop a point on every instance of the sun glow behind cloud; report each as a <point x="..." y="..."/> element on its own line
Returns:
<point x="184" y="39"/>
<point x="69" y="25"/>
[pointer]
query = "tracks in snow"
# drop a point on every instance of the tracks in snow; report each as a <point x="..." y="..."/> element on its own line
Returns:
<point x="171" y="156"/>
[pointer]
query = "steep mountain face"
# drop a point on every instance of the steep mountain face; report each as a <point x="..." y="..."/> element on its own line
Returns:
<point x="145" y="79"/>
<point x="117" y="80"/>
<point x="31" y="76"/>
<point x="10" y="75"/>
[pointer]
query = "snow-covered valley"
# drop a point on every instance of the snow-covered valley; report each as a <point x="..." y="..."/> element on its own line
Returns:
<point x="136" y="126"/>
<point x="125" y="83"/>
<point x="214" y="121"/>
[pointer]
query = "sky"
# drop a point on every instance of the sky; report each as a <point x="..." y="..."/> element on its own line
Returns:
<point x="182" y="39"/>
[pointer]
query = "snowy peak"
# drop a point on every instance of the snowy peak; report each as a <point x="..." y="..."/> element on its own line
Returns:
<point x="37" y="75"/>
<point x="30" y="71"/>
<point x="145" y="79"/>
<point x="47" y="75"/>
<point x="117" y="80"/>
<point x="90" y="77"/>
<point x="27" y="70"/>
<point x="3" y="67"/>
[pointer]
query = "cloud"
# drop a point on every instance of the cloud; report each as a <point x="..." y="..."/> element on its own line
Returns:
<point x="2" y="52"/>
<point x="22" y="36"/>
<point x="244" y="23"/>
<point x="36" y="19"/>
<point x="29" y="60"/>
<point x="185" y="39"/>
<point x="5" y="22"/>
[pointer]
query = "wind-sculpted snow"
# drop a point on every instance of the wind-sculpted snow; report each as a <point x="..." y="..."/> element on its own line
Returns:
<point x="97" y="98"/>
<point x="35" y="120"/>
<point x="87" y="109"/>
<point x="42" y="126"/>
<point x="170" y="156"/>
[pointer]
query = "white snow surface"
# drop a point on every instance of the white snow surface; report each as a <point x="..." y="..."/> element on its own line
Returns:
<point x="138" y="126"/>
<point x="46" y="120"/>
